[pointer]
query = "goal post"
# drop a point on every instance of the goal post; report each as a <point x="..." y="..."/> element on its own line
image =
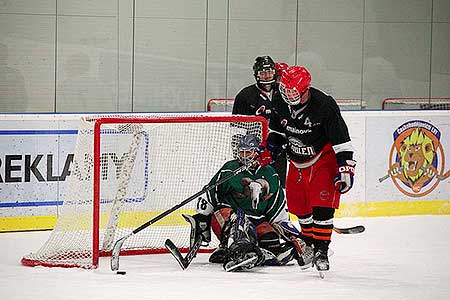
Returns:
<point x="128" y="169"/>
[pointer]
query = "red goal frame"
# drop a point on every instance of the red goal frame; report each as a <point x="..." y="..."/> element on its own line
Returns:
<point x="97" y="253"/>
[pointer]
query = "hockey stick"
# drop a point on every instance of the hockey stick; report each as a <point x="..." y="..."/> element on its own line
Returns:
<point x="119" y="243"/>
<point x="381" y="179"/>
<point x="438" y="176"/>
<point x="184" y="261"/>
<point x="195" y="245"/>
<point x="350" y="230"/>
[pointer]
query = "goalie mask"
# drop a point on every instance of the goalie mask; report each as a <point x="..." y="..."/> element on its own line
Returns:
<point x="264" y="72"/>
<point x="248" y="149"/>
<point x="294" y="83"/>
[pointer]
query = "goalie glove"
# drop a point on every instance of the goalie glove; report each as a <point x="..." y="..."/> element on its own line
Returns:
<point x="271" y="149"/>
<point x="343" y="181"/>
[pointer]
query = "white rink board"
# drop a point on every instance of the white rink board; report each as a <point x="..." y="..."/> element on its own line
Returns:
<point x="54" y="137"/>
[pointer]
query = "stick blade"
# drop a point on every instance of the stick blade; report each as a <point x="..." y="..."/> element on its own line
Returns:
<point x="116" y="253"/>
<point x="350" y="230"/>
<point x="170" y="246"/>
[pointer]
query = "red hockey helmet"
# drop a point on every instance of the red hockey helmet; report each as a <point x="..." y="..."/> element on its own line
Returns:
<point x="281" y="67"/>
<point x="294" y="83"/>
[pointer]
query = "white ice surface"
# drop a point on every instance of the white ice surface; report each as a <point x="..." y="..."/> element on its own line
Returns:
<point x="396" y="258"/>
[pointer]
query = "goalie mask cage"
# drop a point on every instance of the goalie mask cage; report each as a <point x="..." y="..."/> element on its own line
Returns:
<point x="127" y="170"/>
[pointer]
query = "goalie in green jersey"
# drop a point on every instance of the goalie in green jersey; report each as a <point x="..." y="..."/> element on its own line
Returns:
<point x="248" y="214"/>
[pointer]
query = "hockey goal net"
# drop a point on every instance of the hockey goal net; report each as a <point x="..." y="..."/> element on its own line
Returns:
<point x="127" y="170"/>
<point x="226" y="104"/>
<point x="416" y="103"/>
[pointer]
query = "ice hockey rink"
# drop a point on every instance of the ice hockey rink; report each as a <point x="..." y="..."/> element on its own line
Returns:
<point x="395" y="258"/>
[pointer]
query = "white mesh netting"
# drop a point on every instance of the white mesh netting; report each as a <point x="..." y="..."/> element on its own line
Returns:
<point x="145" y="169"/>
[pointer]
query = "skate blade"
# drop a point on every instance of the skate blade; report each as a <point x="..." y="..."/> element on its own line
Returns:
<point x="242" y="263"/>
<point x="321" y="274"/>
<point x="306" y="267"/>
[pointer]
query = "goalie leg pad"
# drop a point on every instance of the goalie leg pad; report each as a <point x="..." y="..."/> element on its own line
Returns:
<point x="220" y="220"/>
<point x="243" y="249"/>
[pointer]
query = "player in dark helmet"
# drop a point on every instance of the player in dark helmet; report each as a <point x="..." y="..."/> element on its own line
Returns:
<point x="264" y="72"/>
<point x="256" y="99"/>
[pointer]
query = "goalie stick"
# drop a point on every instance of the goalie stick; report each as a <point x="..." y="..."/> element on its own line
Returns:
<point x="196" y="242"/>
<point x="184" y="261"/>
<point x="119" y="243"/>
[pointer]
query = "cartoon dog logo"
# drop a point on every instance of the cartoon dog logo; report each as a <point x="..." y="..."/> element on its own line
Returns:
<point x="416" y="159"/>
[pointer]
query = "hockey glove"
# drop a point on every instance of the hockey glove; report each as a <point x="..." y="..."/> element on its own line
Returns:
<point x="343" y="181"/>
<point x="264" y="155"/>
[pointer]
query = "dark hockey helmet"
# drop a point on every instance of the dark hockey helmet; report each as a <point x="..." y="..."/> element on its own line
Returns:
<point x="248" y="149"/>
<point x="294" y="83"/>
<point x="264" y="71"/>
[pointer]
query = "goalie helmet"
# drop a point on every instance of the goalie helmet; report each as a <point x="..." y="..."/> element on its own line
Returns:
<point x="264" y="71"/>
<point x="248" y="149"/>
<point x="294" y="83"/>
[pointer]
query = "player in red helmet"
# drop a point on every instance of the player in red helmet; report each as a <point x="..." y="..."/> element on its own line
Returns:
<point x="320" y="155"/>
<point x="280" y="67"/>
<point x="295" y="85"/>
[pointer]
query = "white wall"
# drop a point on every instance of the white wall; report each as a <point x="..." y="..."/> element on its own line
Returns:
<point x="174" y="55"/>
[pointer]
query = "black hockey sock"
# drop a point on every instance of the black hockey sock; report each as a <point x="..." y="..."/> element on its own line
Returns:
<point x="306" y="225"/>
<point x="322" y="227"/>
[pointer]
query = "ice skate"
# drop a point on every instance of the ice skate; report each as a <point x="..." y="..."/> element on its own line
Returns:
<point x="218" y="256"/>
<point x="243" y="255"/>
<point x="321" y="262"/>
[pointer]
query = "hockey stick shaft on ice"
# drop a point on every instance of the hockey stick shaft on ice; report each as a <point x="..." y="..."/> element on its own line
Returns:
<point x="350" y="230"/>
<point x="119" y="243"/>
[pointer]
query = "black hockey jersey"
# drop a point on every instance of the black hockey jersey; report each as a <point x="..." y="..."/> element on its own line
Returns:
<point x="311" y="127"/>
<point x="252" y="101"/>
